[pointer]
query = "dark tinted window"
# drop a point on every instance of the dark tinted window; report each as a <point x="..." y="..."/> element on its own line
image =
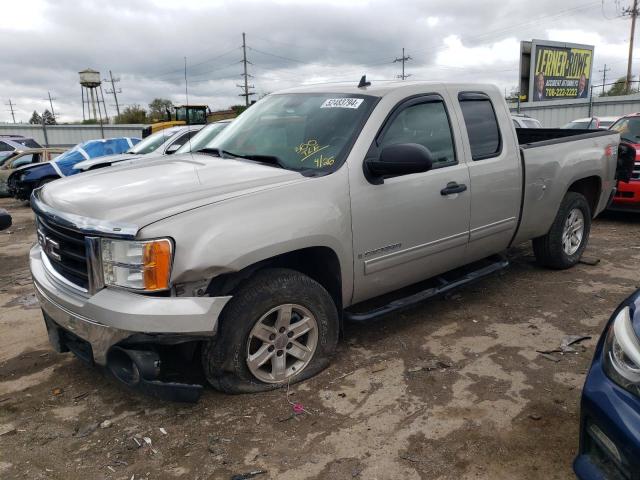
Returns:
<point x="629" y="129"/>
<point x="28" y="142"/>
<point x="5" y="147"/>
<point x="482" y="127"/>
<point x="184" y="138"/>
<point x="426" y="124"/>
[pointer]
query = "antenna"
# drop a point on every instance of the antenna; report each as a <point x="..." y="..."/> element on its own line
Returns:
<point x="404" y="58"/>
<point x="363" y="82"/>
<point x="186" y="94"/>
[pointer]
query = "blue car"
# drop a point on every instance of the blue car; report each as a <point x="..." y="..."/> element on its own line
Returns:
<point x="24" y="180"/>
<point x="610" y="412"/>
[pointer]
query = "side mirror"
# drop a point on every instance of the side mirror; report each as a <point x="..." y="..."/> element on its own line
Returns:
<point x="173" y="148"/>
<point x="400" y="159"/>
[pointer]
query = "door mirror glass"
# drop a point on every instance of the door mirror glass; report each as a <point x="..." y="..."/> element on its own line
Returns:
<point x="173" y="148"/>
<point x="400" y="159"/>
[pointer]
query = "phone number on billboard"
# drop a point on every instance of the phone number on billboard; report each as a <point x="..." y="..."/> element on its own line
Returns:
<point x="561" y="92"/>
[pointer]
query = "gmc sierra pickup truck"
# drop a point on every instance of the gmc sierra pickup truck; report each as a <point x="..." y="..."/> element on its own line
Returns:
<point x="252" y="251"/>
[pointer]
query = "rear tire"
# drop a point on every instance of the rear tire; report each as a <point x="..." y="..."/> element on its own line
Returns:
<point x="248" y="328"/>
<point x="568" y="236"/>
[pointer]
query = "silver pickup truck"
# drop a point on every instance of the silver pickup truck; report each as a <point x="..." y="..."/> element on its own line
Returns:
<point x="252" y="251"/>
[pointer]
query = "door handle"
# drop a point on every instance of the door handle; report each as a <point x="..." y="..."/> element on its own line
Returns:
<point x="453" y="187"/>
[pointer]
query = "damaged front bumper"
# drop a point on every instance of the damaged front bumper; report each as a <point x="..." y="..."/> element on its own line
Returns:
<point x="93" y="326"/>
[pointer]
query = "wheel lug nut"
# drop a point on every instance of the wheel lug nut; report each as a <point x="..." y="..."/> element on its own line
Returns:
<point x="290" y="334"/>
<point x="280" y="353"/>
<point x="282" y="329"/>
<point x="289" y="345"/>
<point x="271" y="348"/>
<point x="272" y="336"/>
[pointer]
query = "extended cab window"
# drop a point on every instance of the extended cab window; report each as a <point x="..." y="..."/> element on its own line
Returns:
<point x="426" y="124"/>
<point x="482" y="125"/>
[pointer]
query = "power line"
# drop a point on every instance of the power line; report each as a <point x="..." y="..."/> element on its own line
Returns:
<point x="404" y="58"/>
<point x="113" y="90"/>
<point x="246" y="76"/>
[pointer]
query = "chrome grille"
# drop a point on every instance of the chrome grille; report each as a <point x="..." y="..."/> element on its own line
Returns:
<point x="66" y="251"/>
<point x="636" y="171"/>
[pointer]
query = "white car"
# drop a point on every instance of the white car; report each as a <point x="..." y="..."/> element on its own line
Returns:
<point x="591" y="123"/>
<point x="523" y="121"/>
<point x="164" y="142"/>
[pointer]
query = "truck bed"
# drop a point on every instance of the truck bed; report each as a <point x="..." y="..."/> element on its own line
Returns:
<point x="533" y="137"/>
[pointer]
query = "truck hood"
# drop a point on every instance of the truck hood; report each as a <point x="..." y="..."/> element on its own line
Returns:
<point x="144" y="192"/>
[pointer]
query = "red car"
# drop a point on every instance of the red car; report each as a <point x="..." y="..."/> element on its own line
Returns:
<point x="627" y="196"/>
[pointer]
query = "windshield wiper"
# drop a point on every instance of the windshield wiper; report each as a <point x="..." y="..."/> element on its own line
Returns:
<point x="269" y="159"/>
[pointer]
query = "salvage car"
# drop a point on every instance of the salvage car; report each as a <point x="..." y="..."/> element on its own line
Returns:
<point x="591" y="123"/>
<point x="20" y="158"/>
<point x="11" y="143"/>
<point x="628" y="193"/>
<point x="164" y="142"/>
<point x="251" y="252"/>
<point x="610" y="406"/>
<point x="24" y="180"/>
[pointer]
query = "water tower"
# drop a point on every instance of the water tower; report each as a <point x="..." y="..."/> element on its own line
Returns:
<point x="92" y="96"/>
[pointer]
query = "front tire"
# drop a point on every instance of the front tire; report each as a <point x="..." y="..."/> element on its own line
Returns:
<point x="568" y="236"/>
<point x="280" y="327"/>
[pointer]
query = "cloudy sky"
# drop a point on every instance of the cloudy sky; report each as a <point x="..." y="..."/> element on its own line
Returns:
<point x="144" y="42"/>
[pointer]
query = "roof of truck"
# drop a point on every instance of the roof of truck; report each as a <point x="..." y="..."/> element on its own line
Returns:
<point x="378" y="88"/>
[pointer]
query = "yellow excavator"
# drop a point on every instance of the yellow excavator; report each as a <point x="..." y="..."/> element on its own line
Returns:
<point x="182" y="115"/>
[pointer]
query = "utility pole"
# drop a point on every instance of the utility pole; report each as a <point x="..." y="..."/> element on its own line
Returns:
<point x="53" y="113"/>
<point x="113" y="90"/>
<point x="633" y="13"/>
<point x="604" y="76"/>
<point x="11" y="105"/>
<point x="404" y="58"/>
<point x="246" y="76"/>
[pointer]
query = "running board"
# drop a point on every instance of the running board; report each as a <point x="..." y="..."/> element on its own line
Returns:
<point x="443" y="286"/>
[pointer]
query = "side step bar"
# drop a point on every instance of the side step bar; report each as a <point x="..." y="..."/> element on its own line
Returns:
<point x="443" y="286"/>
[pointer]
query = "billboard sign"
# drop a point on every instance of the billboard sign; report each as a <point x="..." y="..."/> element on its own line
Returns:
<point x="559" y="71"/>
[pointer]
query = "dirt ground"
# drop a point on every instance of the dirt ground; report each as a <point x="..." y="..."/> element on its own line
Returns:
<point x="452" y="389"/>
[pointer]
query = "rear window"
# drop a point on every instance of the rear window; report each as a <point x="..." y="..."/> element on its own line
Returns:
<point x="28" y="142"/>
<point x="578" y="125"/>
<point x="629" y="129"/>
<point x="482" y="125"/>
<point x="529" y="123"/>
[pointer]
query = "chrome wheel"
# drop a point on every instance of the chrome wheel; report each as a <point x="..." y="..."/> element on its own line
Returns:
<point x="573" y="231"/>
<point x="282" y="343"/>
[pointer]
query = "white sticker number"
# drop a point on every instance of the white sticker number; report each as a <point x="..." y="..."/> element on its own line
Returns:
<point x="341" y="103"/>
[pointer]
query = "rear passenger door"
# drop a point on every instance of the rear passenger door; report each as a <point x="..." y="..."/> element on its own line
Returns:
<point x="494" y="171"/>
<point x="410" y="227"/>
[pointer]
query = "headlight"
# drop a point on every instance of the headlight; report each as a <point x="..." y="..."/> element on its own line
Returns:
<point x="138" y="265"/>
<point x="622" y="353"/>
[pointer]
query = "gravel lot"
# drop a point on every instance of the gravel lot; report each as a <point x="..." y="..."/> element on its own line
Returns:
<point x="451" y="389"/>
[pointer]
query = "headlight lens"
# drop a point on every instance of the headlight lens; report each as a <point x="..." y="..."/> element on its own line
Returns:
<point x="138" y="265"/>
<point x="622" y="353"/>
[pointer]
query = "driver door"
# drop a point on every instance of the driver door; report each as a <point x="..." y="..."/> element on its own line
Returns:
<point x="410" y="227"/>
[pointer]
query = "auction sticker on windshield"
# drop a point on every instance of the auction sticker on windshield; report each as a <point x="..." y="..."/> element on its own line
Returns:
<point x="341" y="103"/>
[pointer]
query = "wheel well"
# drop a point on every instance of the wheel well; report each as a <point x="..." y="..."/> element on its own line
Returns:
<point x="590" y="188"/>
<point x="318" y="263"/>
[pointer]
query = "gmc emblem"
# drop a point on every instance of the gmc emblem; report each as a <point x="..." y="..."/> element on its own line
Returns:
<point x="50" y="246"/>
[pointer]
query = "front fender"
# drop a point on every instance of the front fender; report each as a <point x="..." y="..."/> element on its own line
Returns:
<point x="231" y="235"/>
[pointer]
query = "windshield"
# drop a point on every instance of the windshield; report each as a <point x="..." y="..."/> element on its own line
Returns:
<point x="308" y="131"/>
<point x="152" y="142"/>
<point x="629" y="129"/>
<point x="530" y="123"/>
<point x="202" y="138"/>
<point x="605" y="123"/>
<point x="28" y="142"/>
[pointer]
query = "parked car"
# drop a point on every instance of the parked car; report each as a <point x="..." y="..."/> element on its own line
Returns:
<point x="591" y="123"/>
<point x="164" y="142"/>
<point x="25" y="179"/>
<point x="610" y="407"/>
<point x="252" y="251"/>
<point x="204" y="136"/>
<point x="627" y="195"/>
<point x="11" y="143"/>
<point x="523" y="121"/>
<point x="20" y="158"/>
